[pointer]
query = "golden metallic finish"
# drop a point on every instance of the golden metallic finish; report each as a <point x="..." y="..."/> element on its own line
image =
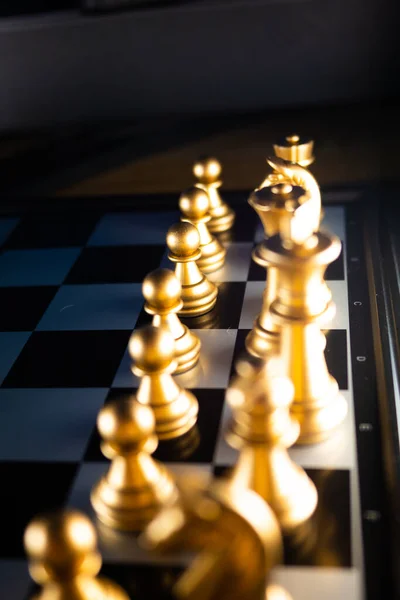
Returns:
<point x="207" y="170"/>
<point x="136" y="486"/>
<point x="194" y="204"/>
<point x="198" y="294"/>
<point x="263" y="429"/>
<point x="300" y="310"/>
<point x="175" y="409"/>
<point x="162" y="292"/>
<point x="233" y="530"/>
<point x="63" y="558"/>
<point x="271" y="204"/>
<point x="295" y="149"/>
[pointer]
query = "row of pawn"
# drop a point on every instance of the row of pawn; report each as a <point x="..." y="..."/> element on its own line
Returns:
<point x="138" y="490"/>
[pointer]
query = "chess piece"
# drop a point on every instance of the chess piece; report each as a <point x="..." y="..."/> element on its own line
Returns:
<point x="152" y="350"/>
<point x="194" y="205"/>
<point x="300" y="310"/>
<point x="207" y="170"/>
<point x="294" y="149"/>
<point x="162" y="292"/>
<point x="63" y="558"/>
<point x="273" y="204"/>
<point x="234" y="532"/>
<point x="198" y="294"/>
<point x="135" y="487"/>
<point x="262" y="429"/>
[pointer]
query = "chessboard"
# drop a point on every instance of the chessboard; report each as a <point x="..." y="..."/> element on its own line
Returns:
<point x="70" y="297"/>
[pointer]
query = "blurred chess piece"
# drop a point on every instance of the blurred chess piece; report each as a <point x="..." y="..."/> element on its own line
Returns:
<point x="63" y="558"/>
<point x="198" y="294"/>
<point x="207" y="170"/>
<point x="294" y="149"/>
<point x="136" y="486"/>
<point x="162" y="292"/>
<point x="194" y="205"/>
<point x="302" y="307"/>
<point x="152" y="350"/>
<point x="292" y="155"/>
<point x="262" y="429"/>
<point x="234" y="532"/>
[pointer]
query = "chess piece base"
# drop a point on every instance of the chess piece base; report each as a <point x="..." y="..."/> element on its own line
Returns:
<point x="318" y="422"/>
<point x="176" y="416"/>
<point x="130" y="495"/>
<point x="212" y="256"/>
<point x="187" y="351"/>
<point x="199" y="298"/>
<point x="260" y="342"/>
<point x="222" y="219"/>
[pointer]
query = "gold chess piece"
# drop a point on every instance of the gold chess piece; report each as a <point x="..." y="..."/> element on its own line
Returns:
<point x="162" y="292"/>
<point x="64" y="559"/>
<point x="294" y="149"/>
<point x="262" y="429"/>
<point x="233" y="530"/>
<point x="272" y="204"/>
<point x="207" y="170"/>
<point x="194" y="205"/>
<point x="135" y="487"/>
<point x="301" y="310"/>
<point x="152" y="350"/>
<point x="198" y="294"/>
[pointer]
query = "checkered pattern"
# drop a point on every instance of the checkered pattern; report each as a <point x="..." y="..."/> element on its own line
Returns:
<point x="70" y="296"/>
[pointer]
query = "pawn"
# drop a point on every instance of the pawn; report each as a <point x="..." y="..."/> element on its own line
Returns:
<point x="194" y="204"/>
<point x="152" y="350"/>
<point x="162" y="292"/>
<point x="198" y="294"/>
<point x="136" y="486"/>
<point x="262" y="428"/>
<point x="207" y="170"/>
<point x="63" y="558"/>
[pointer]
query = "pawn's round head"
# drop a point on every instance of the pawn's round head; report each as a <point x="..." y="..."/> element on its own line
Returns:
<point x="125" y="422"/>
<point x="162" y="290"/>
<point x="152" y="349"/>
<point x="207" y="170"/>
<point x="194" y="203"/>
<point x="183" y="239"/>
<point x="61" y="544"/>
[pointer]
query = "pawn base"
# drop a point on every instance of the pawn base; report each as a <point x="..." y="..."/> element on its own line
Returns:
<point x="222" y="219"/>
<point x="199" y="298"/>
<point x="187" y="351"/>
<point x="177" y="417"/>
<point x="128" y="508"/>
<point x="318" y="418"/>
<point x="212" y="256"/>
<point x="260" y="342"/>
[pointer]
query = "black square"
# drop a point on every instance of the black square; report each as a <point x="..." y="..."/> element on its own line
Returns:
<point x="226" y="313"/>
<point x="21" y="308"/>
<point x="52" y="231"/>
<point x="197" y="446"/>
<point x="334" y="272"/>
<point x="68" y="359"/>
<point x="144" y="582"/>
<point x="29" y="488"/>
<point x="336" y="356"/>
<point x="244" y="226"/>
<point x="325" y="539"/>
<point x="256" y="273"/>
<point x="115" y="264"/>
